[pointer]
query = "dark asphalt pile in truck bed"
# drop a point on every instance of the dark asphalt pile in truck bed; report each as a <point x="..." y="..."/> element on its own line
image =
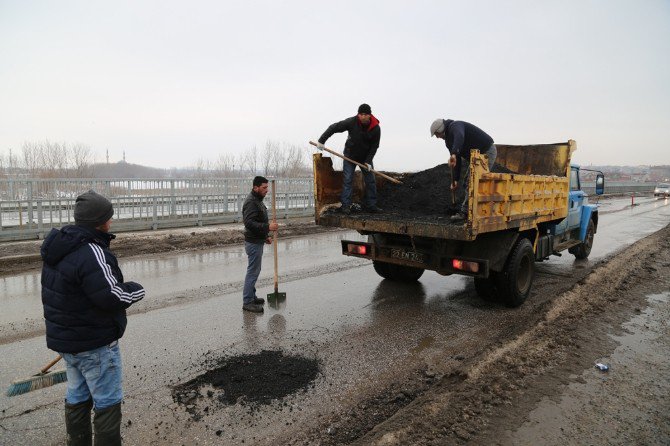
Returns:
<point x="421" y="194"/>
<point x="249" y="379"/>
<point x="425" y="193"/>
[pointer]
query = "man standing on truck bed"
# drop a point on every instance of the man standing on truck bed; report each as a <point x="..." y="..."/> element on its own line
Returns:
<point x="461" y="138"/>
<point x="361" y="145"/>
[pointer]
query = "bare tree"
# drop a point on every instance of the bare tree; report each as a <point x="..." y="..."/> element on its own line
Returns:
<point x="53" y="159"/>
<point x="81" y="160"/>
<point x="249" y="160"/>
<point x="30" y="158"/>
<point x="270" y="156"/>
<point x="224" y="164"/>
<point x="291" y="160"/>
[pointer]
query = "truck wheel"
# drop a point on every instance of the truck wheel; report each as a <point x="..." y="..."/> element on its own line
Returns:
<point x="398" y="273"/>
<point x="486" y="288"/>
<point x="583" y="250"/>
<point x="515" y="281"/>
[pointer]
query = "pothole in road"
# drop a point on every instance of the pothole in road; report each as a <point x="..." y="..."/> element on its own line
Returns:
<point x="248" y="379"/>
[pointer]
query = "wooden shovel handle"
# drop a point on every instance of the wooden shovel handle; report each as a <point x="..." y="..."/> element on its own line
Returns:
<point x="361" y="165"/>
<point x="274" y="235"/>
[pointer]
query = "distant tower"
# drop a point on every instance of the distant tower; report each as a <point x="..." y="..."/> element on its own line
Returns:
<point x="107" y="156"/>
<point x="124" y="156"/>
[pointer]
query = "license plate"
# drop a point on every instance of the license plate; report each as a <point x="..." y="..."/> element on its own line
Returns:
<point x="412" y="256"/>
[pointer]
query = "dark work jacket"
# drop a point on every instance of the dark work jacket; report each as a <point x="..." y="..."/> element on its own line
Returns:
<point x="83" y="292"/>
<point x="461" y="137"/>
<point x="362" y="143"/>
<point x="255" y="216"/>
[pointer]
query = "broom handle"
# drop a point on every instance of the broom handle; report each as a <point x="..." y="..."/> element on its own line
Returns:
<point x="274" y="236"/>
<point x="362" y="166"/>
<point x="51" y="364"/>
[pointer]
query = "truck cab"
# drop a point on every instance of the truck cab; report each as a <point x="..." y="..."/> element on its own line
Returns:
<point x="576" y="232"/>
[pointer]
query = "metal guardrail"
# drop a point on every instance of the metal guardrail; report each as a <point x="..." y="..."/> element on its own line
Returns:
<point x="30" y="208"/>
<point x="613" y="187"/>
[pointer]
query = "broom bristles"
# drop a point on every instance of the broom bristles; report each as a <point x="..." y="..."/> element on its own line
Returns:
<point x="37" y="382"/>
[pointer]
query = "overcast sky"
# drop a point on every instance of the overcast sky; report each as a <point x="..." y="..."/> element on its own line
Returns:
<point x="170" y="82"/>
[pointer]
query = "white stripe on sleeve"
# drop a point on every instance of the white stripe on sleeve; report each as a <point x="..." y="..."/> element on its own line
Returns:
<point x="123" y="296"/>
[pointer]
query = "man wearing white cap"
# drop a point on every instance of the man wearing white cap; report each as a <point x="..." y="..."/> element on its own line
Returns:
<point x="461" y="138"/>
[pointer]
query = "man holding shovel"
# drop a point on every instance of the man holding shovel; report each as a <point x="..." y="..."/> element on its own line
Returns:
<point x="461" y="137"/>
<point x="256" y="230"/>
<point x="361" y="146"/>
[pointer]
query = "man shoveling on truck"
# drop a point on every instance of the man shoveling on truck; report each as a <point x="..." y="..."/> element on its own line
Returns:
<point x="361" y="145"/>
<point x="461" y="138"/>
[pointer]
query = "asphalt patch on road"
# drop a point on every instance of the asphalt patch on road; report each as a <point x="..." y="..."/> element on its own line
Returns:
<point x="251" y="380"/>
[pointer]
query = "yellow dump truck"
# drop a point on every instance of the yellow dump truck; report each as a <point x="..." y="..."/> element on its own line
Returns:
<point x="514" y="219"/>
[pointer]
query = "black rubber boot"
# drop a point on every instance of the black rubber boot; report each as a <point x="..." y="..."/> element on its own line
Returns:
<point x="107" y="426"/>
<point x="78" y="423"/>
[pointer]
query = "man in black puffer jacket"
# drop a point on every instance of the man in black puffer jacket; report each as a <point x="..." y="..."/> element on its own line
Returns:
<point x="85" y="300"/>
<point x="361" y="146"/>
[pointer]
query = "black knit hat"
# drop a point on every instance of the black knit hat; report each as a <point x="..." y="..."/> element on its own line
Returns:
<point x="364" y="109"/>
<point x="92" y="209"/>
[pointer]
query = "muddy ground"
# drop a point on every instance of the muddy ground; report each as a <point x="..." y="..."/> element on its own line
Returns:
<point x="17" y="257"/>
<point x="541" y="387"/>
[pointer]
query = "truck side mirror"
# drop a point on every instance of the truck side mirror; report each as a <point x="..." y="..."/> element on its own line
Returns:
<point x="600" y="184"/>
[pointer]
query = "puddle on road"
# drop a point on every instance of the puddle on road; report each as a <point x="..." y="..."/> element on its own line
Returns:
<point x="250" y="380"/>
<point x="426" y="342"/>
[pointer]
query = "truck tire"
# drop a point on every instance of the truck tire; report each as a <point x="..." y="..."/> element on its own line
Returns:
<point x="515" y="281"/>
<point x="486" y="288"/>
<point x="398" y="273"/>
<point x="583" y="250"/>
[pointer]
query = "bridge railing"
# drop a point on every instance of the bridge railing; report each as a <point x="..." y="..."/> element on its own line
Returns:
<point x="30" y="208"/>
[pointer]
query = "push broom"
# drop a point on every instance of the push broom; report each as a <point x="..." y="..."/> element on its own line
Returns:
<point x="43" y="379"/>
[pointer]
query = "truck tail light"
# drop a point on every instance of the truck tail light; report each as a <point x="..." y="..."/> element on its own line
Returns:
<point x="462" y="265"/>
<point x="357" y="249"/>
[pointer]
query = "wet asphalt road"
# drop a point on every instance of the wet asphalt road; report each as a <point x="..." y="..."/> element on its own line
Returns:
<point x="365" y="331"/>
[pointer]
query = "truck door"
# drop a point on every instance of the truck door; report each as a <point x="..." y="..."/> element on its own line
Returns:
<point x="575" y="200"/>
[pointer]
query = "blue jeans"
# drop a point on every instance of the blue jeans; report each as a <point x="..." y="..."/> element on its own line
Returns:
<point x="370" y="185"/>
<point x="491" y="153"/>
<point x="95" y="373"/>
<point x="255" y="253"/>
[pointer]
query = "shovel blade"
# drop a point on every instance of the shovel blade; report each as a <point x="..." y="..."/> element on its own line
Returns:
<point x="277" y="296"/>
<point x="276" y="300"/>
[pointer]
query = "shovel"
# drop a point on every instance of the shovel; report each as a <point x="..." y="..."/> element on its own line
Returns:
<point x="453" y="194"/>
<point x="362" y="166"/>
<point x="276" y="296"/>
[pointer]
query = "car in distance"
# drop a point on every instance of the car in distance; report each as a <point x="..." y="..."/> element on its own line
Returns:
<point x="662" y="190"/>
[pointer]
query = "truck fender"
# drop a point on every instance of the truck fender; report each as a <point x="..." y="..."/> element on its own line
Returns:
<point x="589" y="212"/>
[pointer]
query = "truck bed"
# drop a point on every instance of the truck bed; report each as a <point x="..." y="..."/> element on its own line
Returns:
<point x="436" y="226"/>
<point x="498" y="201"/>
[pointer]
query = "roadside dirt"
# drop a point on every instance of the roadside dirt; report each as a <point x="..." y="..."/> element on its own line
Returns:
<point x="16" y="257"/>
<point x="524" y="388"/>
